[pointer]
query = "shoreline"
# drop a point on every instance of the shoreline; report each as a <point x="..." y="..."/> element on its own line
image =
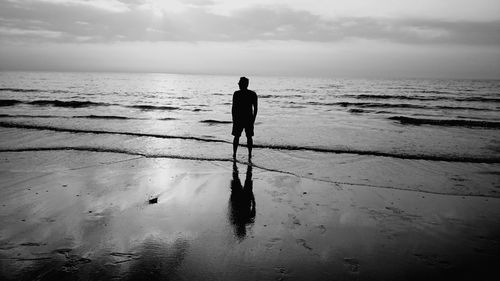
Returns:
<point x="87" y="215"/>
<point x="404" y="155"/>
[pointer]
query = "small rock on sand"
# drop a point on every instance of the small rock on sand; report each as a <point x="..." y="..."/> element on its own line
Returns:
<point x="353" y="264"/>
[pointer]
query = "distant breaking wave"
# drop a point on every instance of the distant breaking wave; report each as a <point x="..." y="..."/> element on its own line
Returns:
<point x="153" y="107"/>
<point x="9" y="102"/>
<point x="59" y="103"/>
<point x="419" y="98"/>
<point x="285" y="96"/>
<point x="21" y="90"/>
<point x="448" y="158"/>
<point x="434" y="92"/>
<point x="82" y="104"/>
<point x="31" y="116"/>
<point x="211" y="121"/>
<point x="356" y="110"/>
<point x="395" y="105"/>
<point x="109" y="117"/>
<point x="446" y="122"/>
<point x="77" y="104"/>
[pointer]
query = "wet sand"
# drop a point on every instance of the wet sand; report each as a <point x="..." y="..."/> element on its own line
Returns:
<point x="76" y="215"/>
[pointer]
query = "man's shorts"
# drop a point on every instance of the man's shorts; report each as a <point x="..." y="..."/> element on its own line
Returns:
<point x="238" y="128"/>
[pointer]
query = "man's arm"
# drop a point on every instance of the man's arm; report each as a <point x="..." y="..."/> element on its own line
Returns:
<point x="255" y="108"/>
<point x="233" y="108"/>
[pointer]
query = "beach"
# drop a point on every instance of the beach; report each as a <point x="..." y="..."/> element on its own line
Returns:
<point x="73" y="215"/>
<point x="129" y="176"/>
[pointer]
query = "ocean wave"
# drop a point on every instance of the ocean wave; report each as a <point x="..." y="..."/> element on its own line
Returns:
<point x="21" y="90"/>
<point x="356" y="110"/>
<point x="446" y="122"/>
<point x="383" y="112"/>
<point x="399" y="155"/>
<point x="331" y="86"/>
<point x="153" y="107"/>
<point x="57" y="103"/>
<point x="73" y="103"/>
<point x="69" y="130"/>
<point x="211" y="121"/>
<point x="420" y="98"/>
<point x="24" y="90"/>
<point x="266" y="96"/>
<point x="108" y="117"/>
<point x="434" y="92"/>
<point x="385" y="97"/>
<point x="481" y="99"/>
<point x="367" y="104"/>
<point x="77" y="104"/>
<point x="286" y="96"/>
<point x="395" y="105"/>
<point x="9" y="102"/>
<point x="31" y="116"/>
<point x="464" y="108"/>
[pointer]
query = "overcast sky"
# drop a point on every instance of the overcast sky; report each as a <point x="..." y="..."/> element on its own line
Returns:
<point x="332" y="38"/>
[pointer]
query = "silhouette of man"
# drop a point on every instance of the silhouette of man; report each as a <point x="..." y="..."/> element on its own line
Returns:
<point x="241" y="203"/>
<point x="244" y="112"/>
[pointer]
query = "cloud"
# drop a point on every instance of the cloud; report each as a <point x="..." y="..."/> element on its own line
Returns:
<point x="199" y="2"/>
<point x="115" y="21"/>
<point x="108" y="5"/>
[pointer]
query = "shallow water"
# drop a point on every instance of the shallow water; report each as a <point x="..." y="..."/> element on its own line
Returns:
<point x="305" y="126"/>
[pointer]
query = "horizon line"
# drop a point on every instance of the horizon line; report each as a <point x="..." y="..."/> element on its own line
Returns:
<point x="276" y="75"/>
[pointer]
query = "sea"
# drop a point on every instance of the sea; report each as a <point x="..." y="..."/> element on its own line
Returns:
<point x="438" y="136"/>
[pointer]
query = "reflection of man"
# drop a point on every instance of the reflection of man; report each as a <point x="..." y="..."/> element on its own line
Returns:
<point x="241" y="202"/>
<point x="244" y="111"/>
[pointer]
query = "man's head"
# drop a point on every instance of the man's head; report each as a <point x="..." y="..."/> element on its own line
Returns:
<point x="243" y="83"/>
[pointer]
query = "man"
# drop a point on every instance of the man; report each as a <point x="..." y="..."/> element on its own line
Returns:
<point x="244" y="112"/>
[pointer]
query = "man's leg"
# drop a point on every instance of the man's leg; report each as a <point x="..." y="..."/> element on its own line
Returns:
<point x="236" y="141"/>
<point x="249" y="145"/>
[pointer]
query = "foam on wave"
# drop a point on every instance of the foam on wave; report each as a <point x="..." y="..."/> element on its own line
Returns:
<point x="448" y="158"/>
<point x="446" y="122"/>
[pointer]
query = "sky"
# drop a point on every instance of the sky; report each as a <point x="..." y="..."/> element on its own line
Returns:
<point x="324" y="38"/>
